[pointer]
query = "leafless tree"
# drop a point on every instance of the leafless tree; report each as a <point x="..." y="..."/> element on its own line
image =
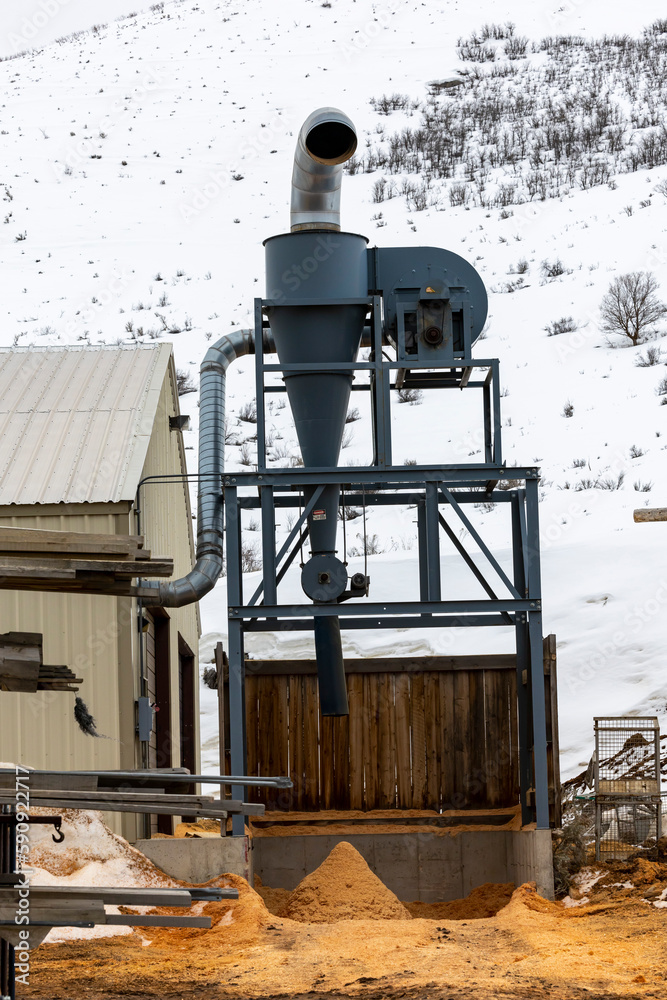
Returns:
<point x="631" y="307"/>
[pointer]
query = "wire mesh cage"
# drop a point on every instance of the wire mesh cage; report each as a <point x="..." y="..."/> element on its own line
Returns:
<point x="627" y="786"/>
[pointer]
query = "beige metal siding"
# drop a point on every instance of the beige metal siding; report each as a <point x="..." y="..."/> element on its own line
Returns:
<point x="164" y="505"/>
<point x="80" y="631"/>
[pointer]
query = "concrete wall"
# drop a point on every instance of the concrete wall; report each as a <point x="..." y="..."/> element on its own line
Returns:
<point x="418" y="866"/>
<point x="198" y="859"/>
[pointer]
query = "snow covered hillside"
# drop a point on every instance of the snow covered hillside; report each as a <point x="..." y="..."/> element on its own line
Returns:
<point x="144" y="161"/>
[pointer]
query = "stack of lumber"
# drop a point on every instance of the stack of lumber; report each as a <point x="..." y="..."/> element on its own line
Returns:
<point x="74" y="906"/>
<point x="61" y="790"/>
<point x="22" y="667"/>
<point x="75" y="561"/>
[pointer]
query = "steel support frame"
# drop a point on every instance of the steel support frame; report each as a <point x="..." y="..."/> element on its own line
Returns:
<point x="515" y="602"/>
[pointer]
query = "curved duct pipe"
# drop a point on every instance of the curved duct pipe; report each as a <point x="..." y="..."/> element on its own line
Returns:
<point x="326" y="141"/>
<point x="210" y="508"/>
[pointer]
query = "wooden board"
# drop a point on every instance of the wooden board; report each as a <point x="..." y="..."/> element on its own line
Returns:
<point x="311" y="795"/>
<point x="415" y="739"/>
<point x="418" y="726"/>
<point x="47" y="543"/>
<point x="392" y="665"/>
<point x="433" y="738"/>
<point x="355" y="697"/>
<point x="403" y="767"/>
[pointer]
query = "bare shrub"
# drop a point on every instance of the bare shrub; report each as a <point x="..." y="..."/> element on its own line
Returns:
<point x="569" y="853"/>
<point x="515" y="47"/>
<point x="559" y="326"/>
<point x="550" y="269"/>
<point x="631" y="306"/>
<point x="412" y="396"/>
<point x="184" y="382"/>
<point x="652" y="357"/>
<point x="210" y="678"/>
<point x="611" y="483"/>
<point x="250" y="560"/>
<point x="248" y="412"/>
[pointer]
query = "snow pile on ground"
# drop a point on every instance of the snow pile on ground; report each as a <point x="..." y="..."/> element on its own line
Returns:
<point x="90" y="855"/>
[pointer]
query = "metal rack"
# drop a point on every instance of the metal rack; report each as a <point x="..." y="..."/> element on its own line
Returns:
<point x="626" y="786"/>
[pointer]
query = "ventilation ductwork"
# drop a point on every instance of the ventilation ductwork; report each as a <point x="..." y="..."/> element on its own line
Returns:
<point x="210" y="509"/>
<point x="326" y="142"/>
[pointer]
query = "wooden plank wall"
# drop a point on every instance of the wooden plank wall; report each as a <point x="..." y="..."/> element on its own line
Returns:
<point x="436" y="733"/>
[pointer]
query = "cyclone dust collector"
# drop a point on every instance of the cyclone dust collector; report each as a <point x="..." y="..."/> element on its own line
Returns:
<point x="419" y="310"/>
<point x="317" y="274"/>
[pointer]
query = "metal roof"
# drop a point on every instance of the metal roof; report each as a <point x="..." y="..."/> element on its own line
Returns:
<point x="75" y="422"/>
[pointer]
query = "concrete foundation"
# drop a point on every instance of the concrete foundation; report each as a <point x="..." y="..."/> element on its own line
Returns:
<point x="195" y="859"/>
<point x="418" y="866"/>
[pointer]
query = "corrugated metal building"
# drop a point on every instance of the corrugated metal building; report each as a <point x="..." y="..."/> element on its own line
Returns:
<point x="80" y="428"/>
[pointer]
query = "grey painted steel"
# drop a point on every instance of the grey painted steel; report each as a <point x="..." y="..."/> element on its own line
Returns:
<point x="482" y="544"/>
<point x="310" y="267"/>
<point x="330" y="670"/>
<point x="393" y="478"/>
<point x="236" y="652"/>
<point x="432" y="542"/>
<point x="425" y="620"/>
<point x="294" y="534"/>
<point x="375" y="608"/>
<point x="164" y="776"/>
<point x="532" y="550"/>
<point x="406" y="272"/>
<point x="326" y="141"/>
<point x="210" y="512"/>
<point x="422" y="542"/>
<point x="522" y="657"/>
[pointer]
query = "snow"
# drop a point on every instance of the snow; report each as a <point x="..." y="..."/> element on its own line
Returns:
<point x="583" y="882"/>
<point x="119" y="157"/>
<point x="90" y="855"/>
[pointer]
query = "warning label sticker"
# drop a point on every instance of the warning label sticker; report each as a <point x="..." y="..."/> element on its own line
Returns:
<point x="319" y="515"/>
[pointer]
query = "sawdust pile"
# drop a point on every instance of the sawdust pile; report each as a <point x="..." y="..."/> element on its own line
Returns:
<point x="484" y="901"/>
<point x="234" y="923"/>
<point x="343" y="888"/>
<point x="275" y="900"/>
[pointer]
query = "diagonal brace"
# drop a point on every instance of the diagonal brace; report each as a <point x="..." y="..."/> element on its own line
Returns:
<point x="482" y="544"/>
<point x="467" y="558"/>
<point x="291" y="537"/>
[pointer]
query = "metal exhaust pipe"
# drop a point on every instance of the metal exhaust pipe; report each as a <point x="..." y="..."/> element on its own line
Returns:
<point x="326" y="141"/>
<point x="210" y="511"/>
